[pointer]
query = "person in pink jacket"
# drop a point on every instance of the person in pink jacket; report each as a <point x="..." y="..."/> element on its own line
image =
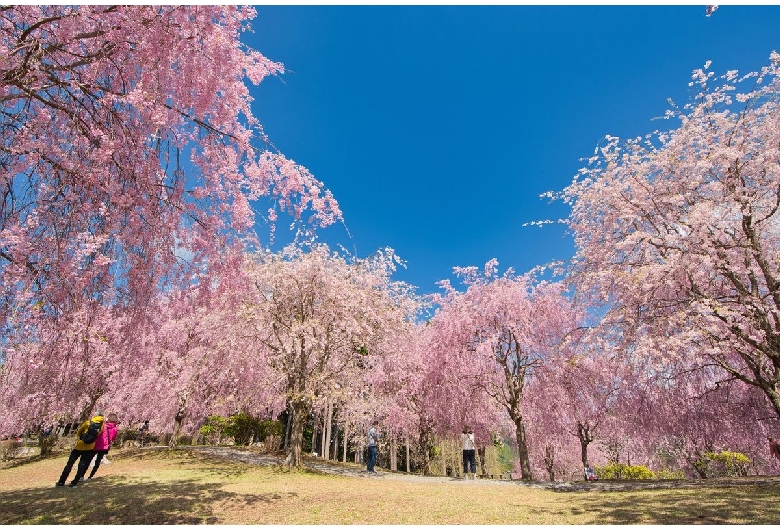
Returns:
<point x="103" y="443"/>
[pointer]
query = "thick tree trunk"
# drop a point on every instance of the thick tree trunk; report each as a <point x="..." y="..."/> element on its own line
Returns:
<point x="522" y="448"/>
<point x="86" y="412"/>
<point x="585" y="436"/>
<point x="426" y="443"/>
<point x="181" y="413"/>
<point x="549" y="462"/>
<point x="482" y="465"/>
<point x="774" y="397"/>
<point x="584" y="452"/>
<point x="299" y="413"/>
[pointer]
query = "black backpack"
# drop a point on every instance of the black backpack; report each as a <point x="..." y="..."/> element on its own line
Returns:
<point x="91" y="433"/>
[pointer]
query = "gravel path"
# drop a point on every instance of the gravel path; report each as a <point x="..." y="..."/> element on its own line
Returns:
<point x="352" y="470"/>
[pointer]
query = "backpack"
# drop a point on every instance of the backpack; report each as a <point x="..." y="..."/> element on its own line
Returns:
<point x="92" y="432"/>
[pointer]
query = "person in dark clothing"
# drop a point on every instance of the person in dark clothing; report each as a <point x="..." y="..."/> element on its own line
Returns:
<point x="83" y="452"/>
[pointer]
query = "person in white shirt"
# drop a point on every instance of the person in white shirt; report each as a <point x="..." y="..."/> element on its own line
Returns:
<point x="469" y="453"/>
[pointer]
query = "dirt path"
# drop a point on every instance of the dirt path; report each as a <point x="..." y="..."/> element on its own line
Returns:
<point x="352" y="470"/>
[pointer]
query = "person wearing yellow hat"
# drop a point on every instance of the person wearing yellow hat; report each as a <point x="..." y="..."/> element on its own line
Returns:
<point x="83" y="451"/>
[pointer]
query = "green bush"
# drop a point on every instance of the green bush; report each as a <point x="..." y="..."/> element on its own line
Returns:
<point x="723" y="464"/>
<point x="623" y="472"/>
<point x="668" y="474"/>
<point x="213" y="428"/>
<point x="271" y="428"/>
<point x="243" y="427"/>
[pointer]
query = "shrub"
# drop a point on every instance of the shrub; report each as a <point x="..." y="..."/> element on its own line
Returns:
<point x="48" y="443"/>
<point x="723" y="464"/>
<point x="213" y="428"/>
<point x="243" y="427"/>
<point x="273" y="442"/>
<point x="127" y="434"/>
<point x="10" y="448"/>
<point x="668" y="474"/>
<point x="624" y="472"/>
<point x="271" y="428"/>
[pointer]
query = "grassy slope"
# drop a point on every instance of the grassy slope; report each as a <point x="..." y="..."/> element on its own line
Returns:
<point x="159" y="487"/>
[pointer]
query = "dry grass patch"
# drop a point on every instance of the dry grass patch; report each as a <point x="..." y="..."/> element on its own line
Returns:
<point x="176" y="487"/>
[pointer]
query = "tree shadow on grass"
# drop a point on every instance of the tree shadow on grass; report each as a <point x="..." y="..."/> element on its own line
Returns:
<point x="726" y="505"/>
<point x="116" y="500"/>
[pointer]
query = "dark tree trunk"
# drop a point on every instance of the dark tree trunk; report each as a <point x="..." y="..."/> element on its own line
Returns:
<point x="288" y="428"/>
<point x="482" y="465"/>
<point x="426" y="443"/>
<point x="299" y="413"/>
<point x="549" y="462"/>
<point x="181" y="413"/>
<point x="585" y="436"/>
<point x="522" y="448"/>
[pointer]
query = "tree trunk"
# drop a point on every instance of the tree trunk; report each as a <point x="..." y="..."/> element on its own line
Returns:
<point x="346" y="439"/>
<point x="482" y="464"/>
<point x="288" y="428"/>
<point x="314" y="429"/>
<point x="585" y="437"/>
<point x="86" y="412"/>
<point x="181" y="413"/>
<point x="549" y="462"/>
<point x="334" y="450"/>
<point x="393" y="453"/>
<point x="408" y="459"/>
<point x="426" y="443"/>
<point x="327" y="431"/>
<point x="522" y="448"/>
<point x="299" y="413"/>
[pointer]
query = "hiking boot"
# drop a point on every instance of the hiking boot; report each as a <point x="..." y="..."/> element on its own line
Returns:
<point x="59" y="484"/>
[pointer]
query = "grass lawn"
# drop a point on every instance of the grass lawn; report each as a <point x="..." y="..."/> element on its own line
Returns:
<point x="177" y="487"/>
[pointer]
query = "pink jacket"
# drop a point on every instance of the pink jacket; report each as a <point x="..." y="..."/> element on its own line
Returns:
<point x="106" y="437"/>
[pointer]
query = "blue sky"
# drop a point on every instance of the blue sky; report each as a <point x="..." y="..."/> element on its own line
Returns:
<point x="438" y="127"/>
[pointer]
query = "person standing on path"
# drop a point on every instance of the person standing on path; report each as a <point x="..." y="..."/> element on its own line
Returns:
<point x="83" y="450"/>
<point x="103" y="443"/>
<point x="469" y="453"/>
<point x="372" y="439"/>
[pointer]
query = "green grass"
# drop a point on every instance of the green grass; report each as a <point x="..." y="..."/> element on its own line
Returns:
<point x="176" y="487"/>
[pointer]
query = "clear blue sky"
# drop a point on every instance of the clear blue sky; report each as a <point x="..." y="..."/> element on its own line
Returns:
<point x="438" y="127"/>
